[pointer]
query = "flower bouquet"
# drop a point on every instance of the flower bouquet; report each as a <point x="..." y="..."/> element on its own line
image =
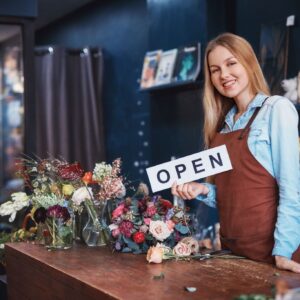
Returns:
<point x="140" y="222"/>
<point x="103" y="187"/>
<point x="50" y="183"/>
<point x="58" y="190"/>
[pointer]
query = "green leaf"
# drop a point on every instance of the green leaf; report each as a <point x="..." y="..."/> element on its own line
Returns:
<point x="182" y="229"/>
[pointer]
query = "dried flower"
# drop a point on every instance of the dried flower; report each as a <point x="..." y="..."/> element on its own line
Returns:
<point x="159" y="230"/>
<point x="101" y="170"/>
<point x="142" y="190"/>
<point x="111" y="188"/>
<point x="70" y="171"/>
<point x="46" y="200"/>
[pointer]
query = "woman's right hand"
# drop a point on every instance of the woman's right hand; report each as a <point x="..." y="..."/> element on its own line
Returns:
<point x="189" y="190"/>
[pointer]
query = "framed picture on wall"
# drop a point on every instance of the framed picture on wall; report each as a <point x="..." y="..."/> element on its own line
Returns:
<point x="150" y="64"/>
<point x="166" y="66"/>
<point x="188" y="63"/>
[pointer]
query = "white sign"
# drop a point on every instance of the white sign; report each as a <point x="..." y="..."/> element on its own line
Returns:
<point x="189" y="168"/>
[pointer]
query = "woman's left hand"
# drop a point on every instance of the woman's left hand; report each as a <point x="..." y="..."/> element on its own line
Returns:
<point x="287" y="264"/>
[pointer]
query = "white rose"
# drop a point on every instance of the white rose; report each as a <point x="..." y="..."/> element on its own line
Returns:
<point x="81" y="194"/>
<point x="159" y="230"/>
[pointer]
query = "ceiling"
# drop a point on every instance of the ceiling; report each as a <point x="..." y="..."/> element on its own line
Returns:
<point x="51" y="10"/>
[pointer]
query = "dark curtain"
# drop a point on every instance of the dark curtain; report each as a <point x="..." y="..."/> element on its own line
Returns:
<point x="69" y="104"/>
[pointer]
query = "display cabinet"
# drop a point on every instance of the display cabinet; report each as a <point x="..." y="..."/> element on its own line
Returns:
<point x="17" y="125"/>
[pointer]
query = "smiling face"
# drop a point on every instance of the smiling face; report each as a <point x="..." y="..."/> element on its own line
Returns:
<point x="228" y="75"/>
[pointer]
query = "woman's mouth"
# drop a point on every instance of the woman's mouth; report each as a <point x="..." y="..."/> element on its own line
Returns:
<point x="228" y="84"/>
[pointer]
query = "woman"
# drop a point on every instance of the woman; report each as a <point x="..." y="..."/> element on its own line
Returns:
<point x="258" y="200"/>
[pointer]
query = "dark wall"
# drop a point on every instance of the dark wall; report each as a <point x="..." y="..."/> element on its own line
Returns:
<point x="24" y="8"/>
<point x="121" y="29"/>
<point x="251" y="14"/>
<point x="143" y="128"/>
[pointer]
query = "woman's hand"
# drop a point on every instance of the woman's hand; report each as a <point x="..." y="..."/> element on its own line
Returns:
<point x="287" y="264"/>
<point x="189" y="190"/>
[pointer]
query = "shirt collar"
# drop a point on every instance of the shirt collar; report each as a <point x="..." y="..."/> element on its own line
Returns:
<point x="257" y="101"/>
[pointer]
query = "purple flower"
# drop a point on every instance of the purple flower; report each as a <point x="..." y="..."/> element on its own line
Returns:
<point x="155" y="198"/>
<point x="118" y="246"/>
<point x="170" y="214"/>
<point x="58" y="212"/>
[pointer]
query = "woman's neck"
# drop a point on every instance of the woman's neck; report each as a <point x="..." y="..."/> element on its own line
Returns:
<point x="243" y="103"/>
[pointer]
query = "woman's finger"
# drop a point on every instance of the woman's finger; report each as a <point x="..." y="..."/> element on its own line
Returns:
<point x="287" y="264"/>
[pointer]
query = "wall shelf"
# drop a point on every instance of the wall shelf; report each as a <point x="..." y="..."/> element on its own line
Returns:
<point x="174" y="86"/>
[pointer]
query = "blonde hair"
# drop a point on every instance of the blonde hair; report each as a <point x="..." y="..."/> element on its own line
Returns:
<point x="216" y="106"/>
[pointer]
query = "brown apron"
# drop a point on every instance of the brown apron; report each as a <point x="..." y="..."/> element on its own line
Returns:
<point x="247" y="200"/>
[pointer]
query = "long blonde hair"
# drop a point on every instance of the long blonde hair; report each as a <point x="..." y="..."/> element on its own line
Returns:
<point x="216" y="106"/>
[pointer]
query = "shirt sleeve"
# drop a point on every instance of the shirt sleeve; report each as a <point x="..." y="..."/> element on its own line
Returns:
<point x="210" y="198"/>
<point x="285" y="157"/>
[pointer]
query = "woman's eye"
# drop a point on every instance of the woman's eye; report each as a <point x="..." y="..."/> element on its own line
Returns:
<point x="214" y="71"/>
<point x="231" y="63"/>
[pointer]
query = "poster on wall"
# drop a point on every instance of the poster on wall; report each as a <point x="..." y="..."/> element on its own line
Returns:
<point x="273" y="54"/>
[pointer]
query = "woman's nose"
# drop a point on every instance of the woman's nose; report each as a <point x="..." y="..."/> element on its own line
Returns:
<point x="224" y="73"/>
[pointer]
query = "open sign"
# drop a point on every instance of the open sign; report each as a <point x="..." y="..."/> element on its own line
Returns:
<point x="189" y="168"/>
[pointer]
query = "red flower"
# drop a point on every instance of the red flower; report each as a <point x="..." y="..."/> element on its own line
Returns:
<point x="70" y="171"/>
<point x="139" y="237"/>
<point x="165" y="203"/>
<point x="58" y="212"/>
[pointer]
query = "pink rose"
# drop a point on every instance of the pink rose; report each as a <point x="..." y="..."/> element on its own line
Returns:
<point x="118" y="211"/>
<point x="151" y="211"/>
<point x="144" y="228"/>
<point x="115" y="233"/>
<point x="147" y="221"/>
<point x="170" y="225"/>
<point x="182" y="249"/>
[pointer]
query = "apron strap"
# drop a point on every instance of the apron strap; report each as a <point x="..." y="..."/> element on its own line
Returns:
<point x="247" y="127"/>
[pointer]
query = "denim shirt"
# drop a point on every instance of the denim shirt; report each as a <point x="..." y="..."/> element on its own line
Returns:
<point x="273" y="140"/>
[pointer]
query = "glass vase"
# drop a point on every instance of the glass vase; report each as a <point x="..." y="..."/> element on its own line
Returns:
<point x="59" y="234"/>
<point x="95" y="232"/>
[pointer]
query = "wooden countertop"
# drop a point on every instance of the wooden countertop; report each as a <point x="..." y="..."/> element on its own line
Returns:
<point x="97" y="273"/>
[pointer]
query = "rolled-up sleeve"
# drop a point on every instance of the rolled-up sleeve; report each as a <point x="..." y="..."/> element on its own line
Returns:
<point x="210" y="198"/>
<point x="285" y="158"/>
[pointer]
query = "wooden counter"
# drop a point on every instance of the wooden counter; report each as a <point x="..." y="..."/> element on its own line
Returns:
<point x="95" y="273"/>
